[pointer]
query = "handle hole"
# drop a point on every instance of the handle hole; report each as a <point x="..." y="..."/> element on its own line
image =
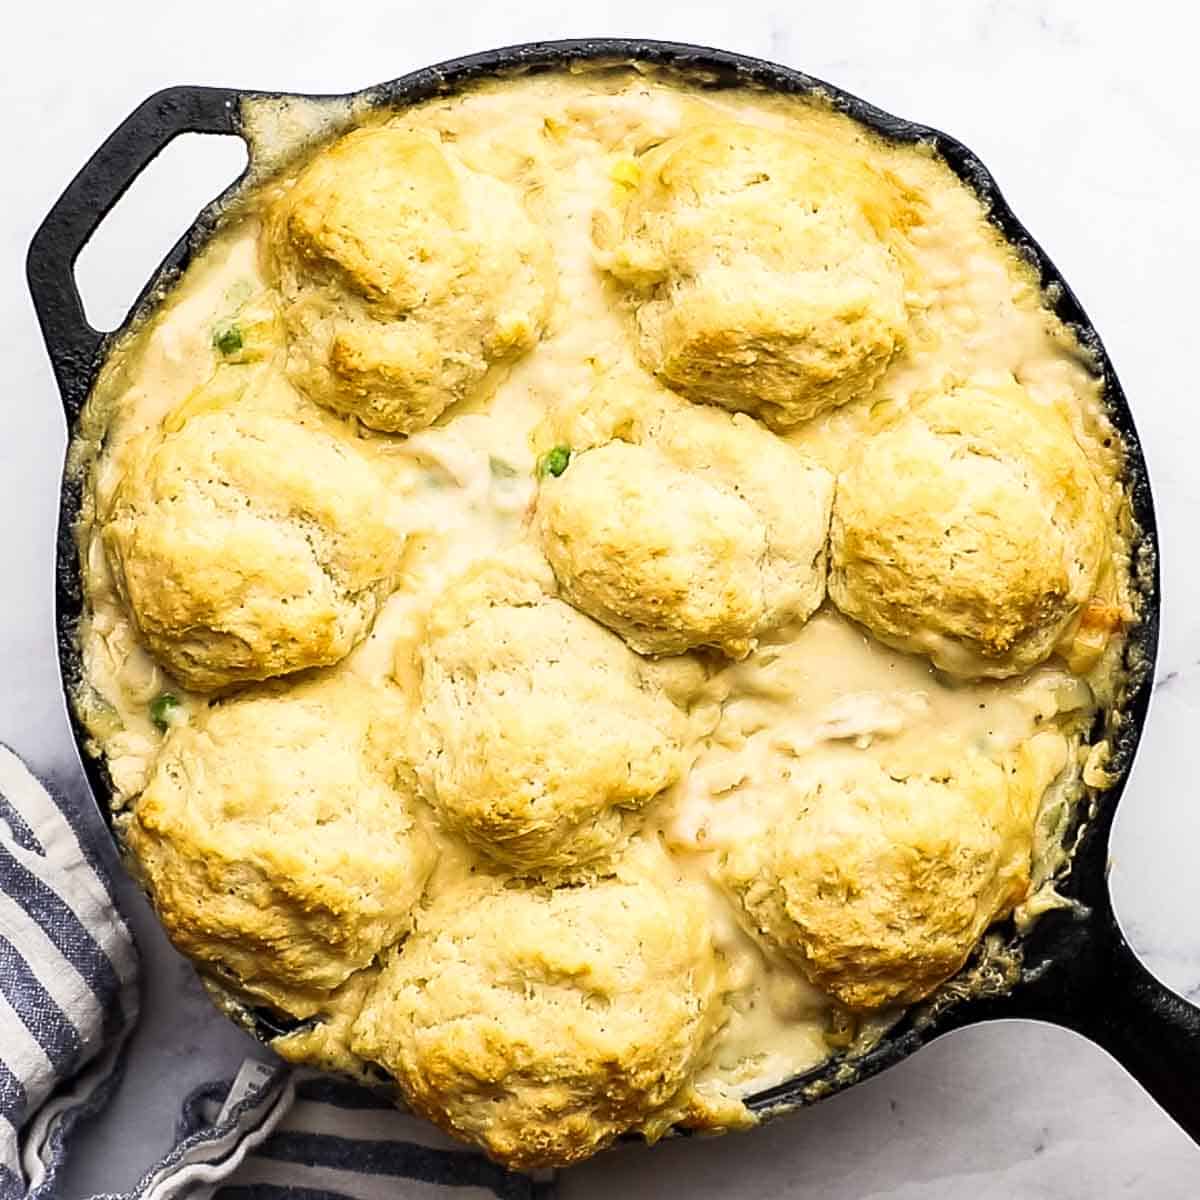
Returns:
<point x="146" y="222"/>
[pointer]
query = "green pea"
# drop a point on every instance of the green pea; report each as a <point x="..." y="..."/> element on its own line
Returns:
<point x="161" y="708"/>
<point x="554" y="462"/>
<point x="228" y="339"/>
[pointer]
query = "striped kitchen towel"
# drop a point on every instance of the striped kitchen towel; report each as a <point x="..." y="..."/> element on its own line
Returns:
<point x="68" y="982"/>
<point x="68" y="1002"/>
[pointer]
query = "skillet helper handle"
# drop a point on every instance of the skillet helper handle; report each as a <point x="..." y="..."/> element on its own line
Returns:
<point x="1153" y="1033"/>
<point x="50" y="267"/>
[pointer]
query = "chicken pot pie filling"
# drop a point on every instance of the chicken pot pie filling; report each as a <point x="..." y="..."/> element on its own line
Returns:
<point x="599" y="594"/>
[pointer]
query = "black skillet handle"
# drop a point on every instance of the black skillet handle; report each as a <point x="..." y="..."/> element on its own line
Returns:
<point x="1099" y="988"/>
<point x="1153" y="1033"/>
<point x="73" y="344"/>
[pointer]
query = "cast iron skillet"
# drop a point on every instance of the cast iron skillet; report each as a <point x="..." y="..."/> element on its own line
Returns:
<point x="1078" y="971"/>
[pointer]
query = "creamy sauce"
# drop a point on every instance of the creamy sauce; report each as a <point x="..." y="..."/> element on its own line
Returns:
<point x="467" y="488"/>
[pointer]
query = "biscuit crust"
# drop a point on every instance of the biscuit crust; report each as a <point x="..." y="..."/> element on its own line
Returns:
<point x="541" y="1024"/>
<point x="877" y="885"/>
<point x="760" y="272"/>
<point x="276" y="844"/>
<point x="405" y="277"/>
<point x="249" y="539"/>
<point x="972" y="531"/>
<point x="536" y="732"/>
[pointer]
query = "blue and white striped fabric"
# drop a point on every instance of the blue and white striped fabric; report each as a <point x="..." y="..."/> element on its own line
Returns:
<point x="68" y="1002"/>
<point x="68" y="982"/>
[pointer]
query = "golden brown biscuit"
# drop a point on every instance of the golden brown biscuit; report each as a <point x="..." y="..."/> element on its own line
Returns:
<point x="249" y="538"/>
<point x="703" y="530"/>
<point x="405" y="277"/>
<point x="534" y="727"/>
<point x="275" y="844"/>
<point x="760" y="270"/>
<point x="542" y="1023"/>
<point x="877" y="886"/>
<point x="972" y="531"/>
<point x="791" y="497"/>
<point x="654" y="552"/>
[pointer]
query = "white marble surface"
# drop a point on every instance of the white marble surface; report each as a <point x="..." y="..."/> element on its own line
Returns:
<point x="1085" y="113"/>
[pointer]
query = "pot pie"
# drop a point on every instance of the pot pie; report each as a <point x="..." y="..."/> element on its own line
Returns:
<point x="599" y="594"/>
